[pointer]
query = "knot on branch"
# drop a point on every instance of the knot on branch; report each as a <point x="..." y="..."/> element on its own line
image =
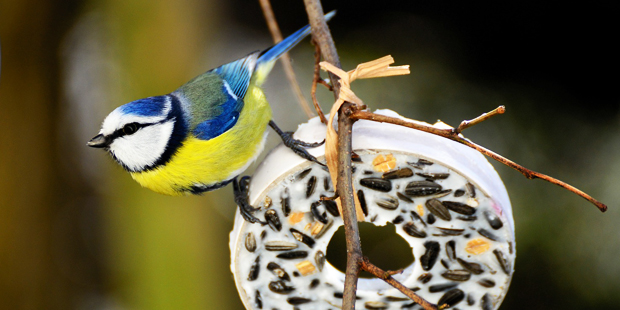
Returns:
<point x="372" y="69"/>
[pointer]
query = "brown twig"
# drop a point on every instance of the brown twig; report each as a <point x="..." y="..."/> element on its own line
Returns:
<point x="485" y="116"/>
<point x="455" y="135"/>
<point x="387" y="277"/>
<point x="286" y="60"/>
<point x="322" y="35"/>
<point x="315" y="80"/>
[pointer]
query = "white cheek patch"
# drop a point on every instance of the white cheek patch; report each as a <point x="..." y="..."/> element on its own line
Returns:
<point x="143" y="148"/>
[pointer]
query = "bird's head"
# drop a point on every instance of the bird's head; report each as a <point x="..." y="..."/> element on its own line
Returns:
<point x="142" y="134"/>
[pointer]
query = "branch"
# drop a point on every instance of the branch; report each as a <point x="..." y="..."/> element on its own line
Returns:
<point x="387" y="277"/>
<point x="316" y="79"/>
<point x="286" y="60"/>
<point x="454" y="135"/>
<point x="344" y="187"/>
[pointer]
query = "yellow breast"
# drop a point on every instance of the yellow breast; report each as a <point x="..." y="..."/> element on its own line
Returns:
<point x="206" y="163"/>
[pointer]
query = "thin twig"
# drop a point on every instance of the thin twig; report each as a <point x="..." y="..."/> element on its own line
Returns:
<point x="387" y="277"/>
<point x="322" y="35"/>
<point x="485" y="116"/>
<point x="286" y="60"/>
<point x="315" y="79"/>
<point x="453" y="135"/>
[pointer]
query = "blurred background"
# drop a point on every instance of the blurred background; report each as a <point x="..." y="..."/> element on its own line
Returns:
<point x="77" y="233"/>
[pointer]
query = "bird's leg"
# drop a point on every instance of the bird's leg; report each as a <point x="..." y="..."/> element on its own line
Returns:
<point x="242" y="197"/>
<point x="296" y="146"/>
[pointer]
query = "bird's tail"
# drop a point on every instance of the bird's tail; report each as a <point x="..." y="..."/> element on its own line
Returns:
<point x="268" y="57"/>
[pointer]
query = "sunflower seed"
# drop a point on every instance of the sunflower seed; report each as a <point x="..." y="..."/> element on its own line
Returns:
<point x="254" y="269"/>
<point x="422" y="188"/>
<point x="293" y="255"/>
<point x="415" y="216"/>
<point x="429" y="258"/>
<point x="470" y="300"/>
<point x="425" y="277"/>
<point x="486" y="282"/>
<point x="441" y="287"/>
<point x="298" y="300"/>
<point x="285" y="200"/>
<point x="493" y="220"/>
<point x="319" y="259"/>
<point x="303" y="174"/>
<point x="487" y="302"/>
<point x="502" y="260"/>
<point x="376" y="305"/>
<point x="280" y="246"/>
<point x="394" y="298"/>
<point x="457" y="275"/>
<point x="278" y="271"/>
<point x="263" y="234"/>
<point x="449" y="232"/>
<point x="451" y="250"/>
<point x="326" y="183"/>
<point x="451" y="297"/>
<point x="475" y="268"/>
<point x="408" y="305"/>
<point x="323" y="228"/>
<point x="460" y="208"/>
<point x="398" y="174"/>
<point x="471" y="190"/>
<point x="469" y="218"/>
<point x="301" y="237"/>
<point x="459" y="193"/>
<point x="388" y="203"/>
<point x="314" y="283"/>
<point x="258" y="300"/>
<point x="314" y="208"/>
<point x="377" y="184"/>
<point x="273" y="220"/>
<point x="310" y="186"/>
<point x="355" y="158"/>
<point x="360" y="196"/>
<point x="438" y="209"/>
<point x="445" y="263"/>
<point x="487" y="234"/>
<point x="442" y="193"/>
<point x="433" y="176"/>
<point x="250" y="242"/>
<point x="331" y="207"/>
<point x="397" y="220"/>
<point x="404" y="198"/>
<point x="280" y="287"/>
<point x="430" y="218"/>
<point x="413" y="231"/>
<point x="425" y="162"/>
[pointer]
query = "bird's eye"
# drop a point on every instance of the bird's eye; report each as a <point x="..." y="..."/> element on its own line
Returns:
<point x="130" y="128"/>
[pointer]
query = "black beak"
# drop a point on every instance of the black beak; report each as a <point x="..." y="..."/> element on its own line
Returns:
<point x="99" y="141"/>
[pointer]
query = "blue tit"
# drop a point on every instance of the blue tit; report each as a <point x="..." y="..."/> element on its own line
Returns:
<point x="203" y="135"/>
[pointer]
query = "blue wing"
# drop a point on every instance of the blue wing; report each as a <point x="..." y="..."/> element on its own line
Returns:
<point x="235" y="80"/>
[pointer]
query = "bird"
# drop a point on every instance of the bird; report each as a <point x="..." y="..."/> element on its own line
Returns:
<point x="203" y="135"/>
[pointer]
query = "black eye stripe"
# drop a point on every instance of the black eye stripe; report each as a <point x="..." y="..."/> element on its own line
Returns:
<point x="121" y="131"/>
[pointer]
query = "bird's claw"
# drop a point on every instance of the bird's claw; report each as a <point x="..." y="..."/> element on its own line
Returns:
<point x="295" y="145"/>
<point x="242" y="198"/>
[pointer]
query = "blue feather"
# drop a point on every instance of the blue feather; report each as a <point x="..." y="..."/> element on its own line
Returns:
<point x="238" y="73"/>
<point x="151" y="106"/>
